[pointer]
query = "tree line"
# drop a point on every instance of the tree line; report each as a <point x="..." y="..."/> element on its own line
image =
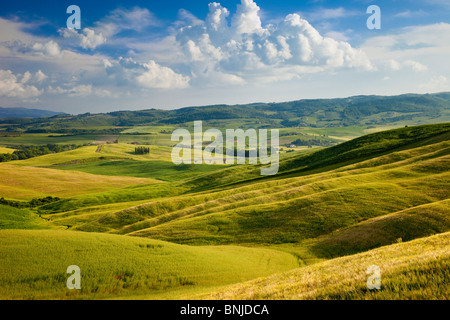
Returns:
<point x="313" y="142"/>
<point x="142" y="150"/>
<point x="29" y="204"/>
<point x="26" y="152"/>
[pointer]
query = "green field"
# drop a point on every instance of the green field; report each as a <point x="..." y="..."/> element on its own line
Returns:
<point x="141" y="227"/>
<point x="14" y="218"/>
<point x="34" y="265"/>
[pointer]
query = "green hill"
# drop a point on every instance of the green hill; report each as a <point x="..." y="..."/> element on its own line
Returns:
<point x="34" y="264"/>
<point x="411" y="109"/>
<point x="379" y="175"/>
<point x="377" y="199"/>
<point x="418" y="270"/>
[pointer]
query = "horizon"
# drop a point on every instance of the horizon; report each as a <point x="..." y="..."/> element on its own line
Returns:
<point x="175" y="55"/>
<point x="228" y="105"/>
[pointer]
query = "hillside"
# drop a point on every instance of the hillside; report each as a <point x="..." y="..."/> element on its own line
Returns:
<point x="34" y="264"/>
<point x="26" y="113"/>
<point x="376" y="176"/>
<point x="376" y="199"/>
<point x="408" y="109"/>
<point x="416" y="270"/>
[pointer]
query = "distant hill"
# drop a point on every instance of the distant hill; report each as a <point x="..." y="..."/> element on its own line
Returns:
<point x="407" y="109"/>
<point x="26" y="113"/>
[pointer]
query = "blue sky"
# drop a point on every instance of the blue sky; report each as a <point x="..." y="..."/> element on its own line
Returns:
<point x="131" y="55"/>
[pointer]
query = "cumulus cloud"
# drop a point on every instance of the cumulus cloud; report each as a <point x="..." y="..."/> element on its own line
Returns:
<point x="415" y="66"/>
<point x="395" y="65"/>
<point x="11" y="86"/>
<point x="435" y="84"/>
<point x="89" y="39"/>
<point x="241" y="46"/>
<point x="40" y="76"/>
<point x="147" y="75"/>
<point x="48" y="49"/>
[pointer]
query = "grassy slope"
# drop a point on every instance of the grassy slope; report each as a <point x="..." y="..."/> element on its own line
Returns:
<point x="161" y="170"/>
<point x="297" y="207"/>
<point x="6" y="150"/>
<point x="33" y="265"/>
<point x="309" y="206"/>
<point x="13" y="218"/>
<point x="28" y="182"/>
<point x="386" y="186"/>
<point x="419" y="269"/>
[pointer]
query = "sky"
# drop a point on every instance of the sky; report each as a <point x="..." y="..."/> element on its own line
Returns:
<point x="135" y="55"/>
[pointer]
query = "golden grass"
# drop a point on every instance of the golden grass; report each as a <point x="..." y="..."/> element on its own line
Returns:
<point x="6" y="150"/>
<point x="419" y="269"/>
<point x="28" y="182"/>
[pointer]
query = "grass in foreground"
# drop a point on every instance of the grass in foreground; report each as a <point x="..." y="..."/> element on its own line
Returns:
<point x="33" y="265"/>
<point x="419" y="269"/>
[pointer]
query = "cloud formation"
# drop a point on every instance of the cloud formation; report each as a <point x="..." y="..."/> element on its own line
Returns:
<point x="126" y="71"/>
<point x="11" y="86"/>
<point x="88" y="38"/>
<point x="240" y="47"/>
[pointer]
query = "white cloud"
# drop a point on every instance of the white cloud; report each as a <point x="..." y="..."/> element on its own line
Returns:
<point x="336" y="35"/>
<point x="156" y="76"/>
<point x="88" y="39"/>
<point x="39" y="76"/>
<point x="415" y="66"/>
<point x="334" y="13"/>
<point x="410" y="14"/>
<point x="395" y="65"/>
<point x="435" y="84"/>
<point x="241" y="46"/>
<point x="136" y="19"/>
<point x="51" y="48"/>
<point x="82" y="90"/>
<point x="147" y="75"/>
<point x="10" y="86"/>
<point x="26" y="77"/>
<point x="246" y="19"/>
<point x="187" y="18"/>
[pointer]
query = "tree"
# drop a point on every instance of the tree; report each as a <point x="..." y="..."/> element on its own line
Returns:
<point x="142" y="150"/>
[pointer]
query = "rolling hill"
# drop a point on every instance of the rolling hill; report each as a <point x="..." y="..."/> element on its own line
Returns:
<point x="34" y="264"/>
<point x="26" y="113"/>
<point x="380" y="199"/>
<point x="316" y="195"/>
<point x="408" y="109"/>
<point x="418" y="270"/>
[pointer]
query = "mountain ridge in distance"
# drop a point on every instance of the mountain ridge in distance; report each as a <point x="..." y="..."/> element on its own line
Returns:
<point x="26" y="113"/>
